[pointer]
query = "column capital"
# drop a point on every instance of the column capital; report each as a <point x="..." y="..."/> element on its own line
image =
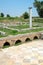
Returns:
<point x="30" y="7"/>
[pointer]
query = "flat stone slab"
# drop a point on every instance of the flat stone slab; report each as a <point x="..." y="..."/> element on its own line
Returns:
<point x="30" y="53"/>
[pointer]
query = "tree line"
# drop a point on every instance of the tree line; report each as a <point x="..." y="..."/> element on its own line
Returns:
<point x="2" y="15"/>
<point x="25" y="15"/>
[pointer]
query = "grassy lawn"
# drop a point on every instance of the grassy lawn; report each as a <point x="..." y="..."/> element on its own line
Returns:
<point x="15" y="32"/>
<point x="23" y="26"/>
<point x="1" y="36"/>
<point x="29" y="31"/>
<point x="37" y="22"/>
<point x="9" y="32"/>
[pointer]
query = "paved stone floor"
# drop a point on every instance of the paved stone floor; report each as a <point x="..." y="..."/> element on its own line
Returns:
<point x="30" y="53"/>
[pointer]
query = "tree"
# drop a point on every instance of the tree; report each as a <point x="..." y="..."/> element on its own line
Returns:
<point x="25" y="15"/>
<point x="39" y="7"/>
<point x="8" y="15"/>
<point x="1" y="15"/>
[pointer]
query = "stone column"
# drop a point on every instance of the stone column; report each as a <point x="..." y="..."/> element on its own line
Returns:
<point x="30" y="17"/>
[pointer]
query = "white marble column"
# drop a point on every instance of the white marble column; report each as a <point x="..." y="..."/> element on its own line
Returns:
<point x="30" y="17"/>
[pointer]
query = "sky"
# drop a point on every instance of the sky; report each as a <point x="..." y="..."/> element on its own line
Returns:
<point x="17" y="7"/>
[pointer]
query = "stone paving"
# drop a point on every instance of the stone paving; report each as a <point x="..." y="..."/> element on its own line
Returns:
<point x="30" y="53"/>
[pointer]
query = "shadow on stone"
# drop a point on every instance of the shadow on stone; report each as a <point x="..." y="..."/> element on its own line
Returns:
<point x="18" y="42"/>
<point x="27" y="40"/>
<point x="35" y="38"/>
<point x="6" y="44"/>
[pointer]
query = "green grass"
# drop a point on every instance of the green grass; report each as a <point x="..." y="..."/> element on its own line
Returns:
<point x="20" y="26"/>
<point x="13" y="32"/>
<point x="11" y="19"/>
<point x="6" y="46"/>
<point x="4" y="18"/>
<point x="8" y="31"/>
<point x="2" y="36"/>
<point x="29" y="31"/>
<point x="17" y="44"/>
<point x="38" y="20"/>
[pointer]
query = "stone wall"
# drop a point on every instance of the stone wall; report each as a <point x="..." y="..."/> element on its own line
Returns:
<point x="22" y="37"/>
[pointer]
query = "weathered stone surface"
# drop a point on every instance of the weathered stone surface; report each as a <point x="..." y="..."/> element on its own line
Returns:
<point x="26" y="54"/>
<point x="22" y="37"/>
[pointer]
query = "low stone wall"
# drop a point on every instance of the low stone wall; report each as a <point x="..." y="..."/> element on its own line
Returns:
<point x="22" y="37"/>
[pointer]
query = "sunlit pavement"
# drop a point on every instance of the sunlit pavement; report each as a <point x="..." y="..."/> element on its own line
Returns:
<point x="30" y="53"/>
